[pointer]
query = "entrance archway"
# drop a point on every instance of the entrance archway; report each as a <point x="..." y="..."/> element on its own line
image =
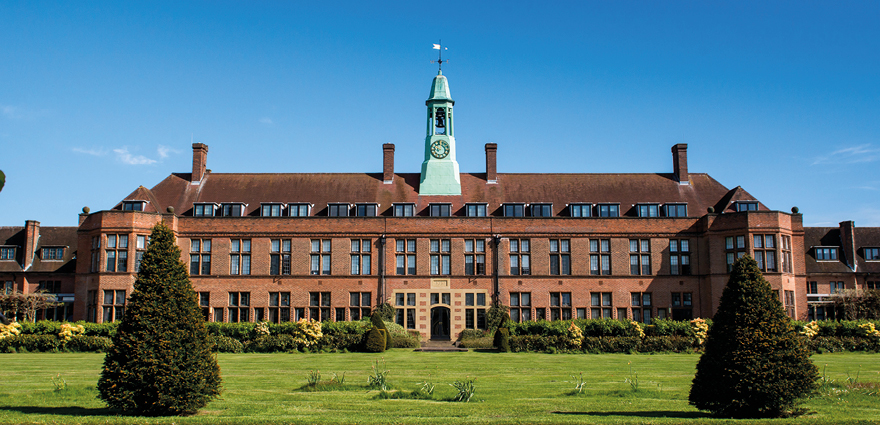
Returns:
<point x="440" y="323"/>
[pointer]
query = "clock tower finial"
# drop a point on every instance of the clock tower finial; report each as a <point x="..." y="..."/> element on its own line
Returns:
<point x="440" y="174"/>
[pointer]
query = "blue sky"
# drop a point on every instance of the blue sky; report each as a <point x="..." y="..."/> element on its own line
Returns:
<point x="783" y="99"/>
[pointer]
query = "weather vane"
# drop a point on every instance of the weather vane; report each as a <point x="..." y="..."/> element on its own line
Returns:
<point x="439" y="60"/>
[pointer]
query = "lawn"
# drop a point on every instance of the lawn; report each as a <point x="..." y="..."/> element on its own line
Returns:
<point x="510" y="388"/>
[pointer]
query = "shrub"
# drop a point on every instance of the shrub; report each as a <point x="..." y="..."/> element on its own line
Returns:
<point x="404" y="342"/>
<point x="754" y="364"/>
<point x="85" y="343"/>
<point x="225" y="344"/>
<point x="161" y="360"/>
<point x="385" y="311"/>
<point x="376" y="340"/>
<point x="496" y="316"/>
<point x="28" y="343"/>
<point x="501" y="340"/>
<point x="272" y="344"/>
<point x="377" y="322"/>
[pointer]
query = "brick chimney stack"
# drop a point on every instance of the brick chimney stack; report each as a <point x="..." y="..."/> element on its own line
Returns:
<point x="200" y="160"/>
<point x="31" y="241"/>
<point x="680" y="162"/>
<point x="388" y="163"/>
<point x="848" y="243"/>
<point x="491" y="157"/>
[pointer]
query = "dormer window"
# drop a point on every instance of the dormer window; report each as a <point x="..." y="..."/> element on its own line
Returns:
<point x="365" y="210"/>
<point x="514" y="210"/>
<point x="440" y="210"/>
<point x="746" y="206"/>
<point x="233" y="209"/>
<point x="54" y="253"/>
<point x="824" y="253"/>
<point x="7" y="253"/>
<point x="871" y="254"/>
<point x="298" y="210"/>
<point x="404" y="210"/>
<point x="676" y="210"/>
<point x="649" y="210"/>
<point x="203" y="210"/>
<point x="270" y="210"/>
<point x="580" y="210"/>
<point x="337" y="210"/>
<point x="608" y="210"/>
<point x="476" y="210"/>
<point x="541" y="210"/>
<point x="133" y="205"/>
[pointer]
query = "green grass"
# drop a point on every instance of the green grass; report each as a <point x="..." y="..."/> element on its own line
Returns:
<point x="510" y="388"/>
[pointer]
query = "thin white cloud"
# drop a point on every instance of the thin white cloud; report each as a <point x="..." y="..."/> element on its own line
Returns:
<point x="852" y="155"/>
<point x="127" y="158"/>
<point x="165" y="151"/>
<point x="92" y="151"/>
<point x="11" y="112"/>
<point x="266" y="120"/>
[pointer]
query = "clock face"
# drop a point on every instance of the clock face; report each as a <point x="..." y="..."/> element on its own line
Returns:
<point x="439" y="149"/>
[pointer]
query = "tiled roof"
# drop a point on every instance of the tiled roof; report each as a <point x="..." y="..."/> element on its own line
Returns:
<point x="319" y="189"/>
<point x="49" y="237"/>
<point x="830" y="236"/>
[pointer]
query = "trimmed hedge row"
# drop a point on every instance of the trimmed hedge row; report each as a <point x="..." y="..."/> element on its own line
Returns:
<point x="51" y="343"/>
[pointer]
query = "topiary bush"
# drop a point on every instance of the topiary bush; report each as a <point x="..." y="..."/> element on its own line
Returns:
<point x="385" y="311"/>
<point x="161" y="361"/>
<point x="376" y="340"/>
<point x="501" y="340"/>
<point x="377" y="322"/>
<point x="754" y="364"/>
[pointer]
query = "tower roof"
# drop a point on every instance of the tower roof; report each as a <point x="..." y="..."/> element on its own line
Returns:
<point x="440" y="89"/>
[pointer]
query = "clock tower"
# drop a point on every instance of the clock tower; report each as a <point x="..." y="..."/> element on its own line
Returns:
<point x="440" y="169"/>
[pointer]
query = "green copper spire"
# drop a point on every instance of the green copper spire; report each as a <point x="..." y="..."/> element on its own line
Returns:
<point x="440" y="169"/>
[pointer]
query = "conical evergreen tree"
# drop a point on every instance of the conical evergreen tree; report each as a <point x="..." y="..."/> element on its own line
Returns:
<point x="161" y="361"/>
<point x="755" y="365"/>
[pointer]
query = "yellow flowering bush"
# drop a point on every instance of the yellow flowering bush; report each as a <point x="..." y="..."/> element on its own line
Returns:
<point x="262" y="328"/>
<point x="307" y="332"/>
<point x="68" y="331"/>
<point x="700" y="329"/>
<point x="811" y="329"/>
<point x="11" y="329"/>
<point x="575" y="335"/>
<point x="868" y="330"/>
<point x="638" y="328"/>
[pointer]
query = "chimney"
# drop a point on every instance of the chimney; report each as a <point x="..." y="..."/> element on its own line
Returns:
<point x="491" y="171"/>
<point x="848" y="244"/>
<point x="388" y="163"/>
<point x="31" y="241"/>
<point x="200" y="160"/>
<point x="680" y="162"/>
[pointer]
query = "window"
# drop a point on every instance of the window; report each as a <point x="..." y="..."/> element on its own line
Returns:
<point x="132" y="205"/>
<point x="406" y="312"/>
<point x="440" y="257"/>
<point x="735" y="247"/>
<point x="682" y="299"/>
<point x="649" y="210"/>
<point x="812" y="287"/>
<point x="279" y="257"/>
<point x="141" y="247"/>
<point x="679" y="257"/>
<point x="114" y="305"/>
<point x="476" y="210"/>
<point x="200" y="256"/>
<point x="360" y="256"/>
<point x="320" y="257"/>
<point x="406" y="256"/>
<point x="608" y="210"/>
<point x="365" y="210"/>
<point x="514" y="210"/>
<point x="91" y="305"/>
<point x="580" y="210"/>
<point x="788" y="302"/>
<point x="639" y="257"/>
<point x="600" y="256"/>
<point x="270" y="210"/>
<point x="600" y="305"/>
<point x="836" y="287"/>
<point x="96" y="254"/>
<point x="746" y="206"/>
<point x="641" y="306"/>
<point x="404" y="210"/>
<point x="440" y="210"/>
<point x="560" y="305"/>
<point x="205" y="305"/>
<point x="560" y="259"/>
<point x="786" y="254"/>
<point x="871" y="254"/>
<point x="541" y="210"/>
<point x="359" y="305"/>
<point x="438" y="298"/>
<point x="239" y="307"/>
<point x="676" y="210"/>
<point x="319" y="306"/>
<point x="240" y="256"/>
<point x="8" y="287"/>
<point x="682" y="306"/>
<point x="117" y="253"/>
<point x="519" y="257"/>
<point x="872" y="285"/>
<point x="50" y="286"/>
<point x="203" y="210"/>
<point x="7" y="253"/>
<point x="298" y="210"/>
<point x="52" y="254"/>
<point x="474" y="257"/>
<point x="521" y="306"/>
<point x="279" y="307"/>
<point x="765" y="252"/>
<point x="475" y="311"/>
<point x="826" y="254"/>
<point x="337" y="210"/>
<point x="232" y="210"/>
